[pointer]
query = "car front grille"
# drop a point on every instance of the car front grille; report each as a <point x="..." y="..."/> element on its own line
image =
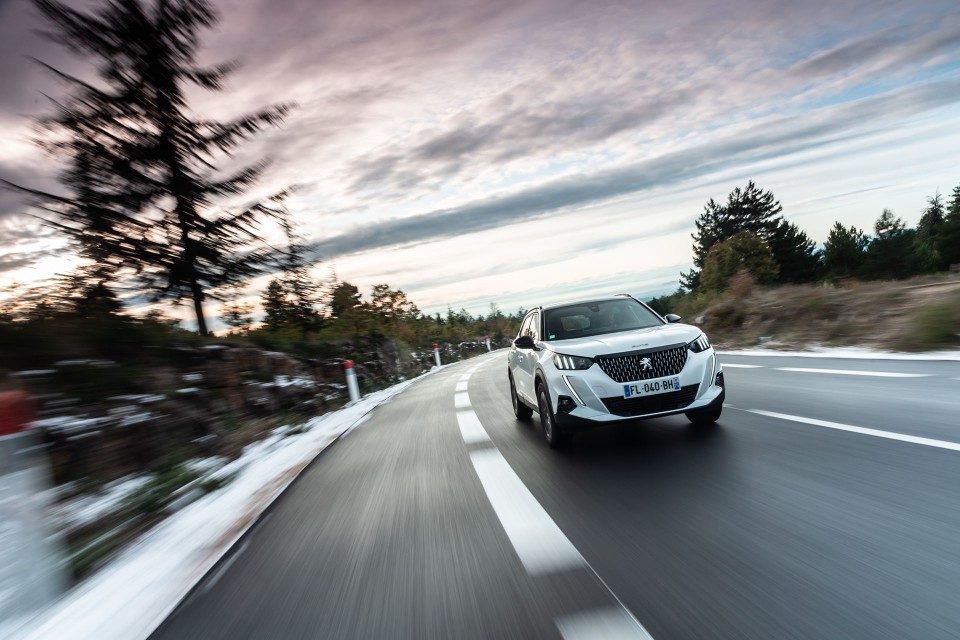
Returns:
<point x="630" y="367"/>
<point x="643" y="405"/>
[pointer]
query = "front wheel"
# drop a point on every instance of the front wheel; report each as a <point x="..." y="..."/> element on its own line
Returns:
<point x="555" y="436"/>
<point x="704" y="417"/>
<point x="520" y="410"/>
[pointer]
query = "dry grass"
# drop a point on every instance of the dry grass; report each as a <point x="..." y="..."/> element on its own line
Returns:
<point x="913" y="315"/>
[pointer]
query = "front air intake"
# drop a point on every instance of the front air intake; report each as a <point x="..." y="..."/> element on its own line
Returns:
<point x="644" y="365"/>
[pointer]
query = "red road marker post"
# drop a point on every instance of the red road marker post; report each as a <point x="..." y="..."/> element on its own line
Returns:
<point x="352" y="386"/>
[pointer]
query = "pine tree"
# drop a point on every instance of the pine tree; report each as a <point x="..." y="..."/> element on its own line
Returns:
<point x="301" y="291"/>
<point x="845" y="251"/>
<point x="142" y="191"/>
<point x="947" y="241"/>
<point x="743" y="251"/>
<point x="896" y="251"/>
<point x="795" y="253"/>
<point x="757" y="212"/>
<point x="275" y="307"/>
<point x="932" y="218"/>
<point x="931" y="225"/>
<point x="344" y="298"/>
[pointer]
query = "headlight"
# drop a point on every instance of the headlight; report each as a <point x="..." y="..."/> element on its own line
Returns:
<point x="700" y="344"/>
<point x="571" y="362"/>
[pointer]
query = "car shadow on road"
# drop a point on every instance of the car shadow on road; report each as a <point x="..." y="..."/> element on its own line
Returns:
<point x="656" y="436"/>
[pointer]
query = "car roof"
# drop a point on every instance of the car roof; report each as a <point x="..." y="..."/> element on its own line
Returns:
<point x="568" y="303"/>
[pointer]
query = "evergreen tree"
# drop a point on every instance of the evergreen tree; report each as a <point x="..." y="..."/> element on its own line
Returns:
<point x="932" y="219"/>
<point x="275" y="307"/>
<point x="301" y="292"/>
<point x="931" y="225"/>
<point x="344" y="298"/>
<point x="947" y="241"/>
<point x="742" y="251"/>
<point x="141" y="168"/>
<point x="756" y="212"/>
<point x="897" y="252"/>
<point x="845" y="251"/>
<point x="795" y="253"/>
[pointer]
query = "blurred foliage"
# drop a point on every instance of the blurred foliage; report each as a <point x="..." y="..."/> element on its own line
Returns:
<point x="936" y="325"/>
<point x="345" y="319"/>
<point x="743" y="251"/>
<point x="159" y="489"/>
<point x="894" y="252"/>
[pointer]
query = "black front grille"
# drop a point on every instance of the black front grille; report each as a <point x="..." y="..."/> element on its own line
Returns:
<point x="630" y="407"/>
<point x="630" y="367"/>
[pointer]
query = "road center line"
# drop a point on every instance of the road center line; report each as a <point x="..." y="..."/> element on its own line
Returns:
<point x="461" y="385"/>
<point x="542" y="547"/>
<point x="741" y="366"/>
<point x="847" y="372"/>
<point x="461" y="400"/>
<point x="470" y="427"/>
<point x="889" y="435"/>
<point x="540" y="544"/>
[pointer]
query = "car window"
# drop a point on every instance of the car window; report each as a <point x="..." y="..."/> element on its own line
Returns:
<point x="534" y="329"/>
<point x="594" y="318"/>
<point x="525" y="326"/>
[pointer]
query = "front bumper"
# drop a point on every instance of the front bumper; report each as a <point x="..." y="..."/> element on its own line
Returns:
<point x="590" y="397"/>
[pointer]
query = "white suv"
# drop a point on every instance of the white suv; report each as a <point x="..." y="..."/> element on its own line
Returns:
<point x="610" y="359"/>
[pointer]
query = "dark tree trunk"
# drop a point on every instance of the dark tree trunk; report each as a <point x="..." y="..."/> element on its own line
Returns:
<point x="198" y="308"/>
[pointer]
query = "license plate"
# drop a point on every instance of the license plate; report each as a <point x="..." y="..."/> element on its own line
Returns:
<point x="651" y="387"/>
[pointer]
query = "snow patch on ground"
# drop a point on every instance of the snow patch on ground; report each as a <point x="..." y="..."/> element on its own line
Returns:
<point x="84" y="510"/>
<point x="132" y="595"/>
<point x="853" y="353"/>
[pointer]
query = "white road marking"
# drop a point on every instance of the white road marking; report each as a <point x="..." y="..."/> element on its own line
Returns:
<point x="464" y="377"/>
<point x="889" y="435"/>
<point x="461" y="400"/>
<point x="542" y="547"/>
<point x="601" y="624"/>
<point x="847" y="372"/>
<point x="470" y="427"/>
<point x="741" y="366"/>
<point x="462" y="385"/>
<point x="539" y="543"/>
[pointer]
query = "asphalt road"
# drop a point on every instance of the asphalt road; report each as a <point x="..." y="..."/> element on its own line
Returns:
<point x="825" y="504"/>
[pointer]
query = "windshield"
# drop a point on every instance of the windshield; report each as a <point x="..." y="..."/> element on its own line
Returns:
<point x="595" y="318"/>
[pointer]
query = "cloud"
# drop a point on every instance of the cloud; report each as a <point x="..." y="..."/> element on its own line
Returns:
<point x="873" y="57"/>
<point x="498" y="133"/>
<point x="429" y="120"/>
<point x="12" y="261"/>
<point x="770" y="139"/>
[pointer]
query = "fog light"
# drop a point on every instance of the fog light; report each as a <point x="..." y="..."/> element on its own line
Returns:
<point x="719" y="382"/>
<point x="565" y="404"/>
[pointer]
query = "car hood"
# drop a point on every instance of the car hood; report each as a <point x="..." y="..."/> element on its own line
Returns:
<point x="636" y="340"/>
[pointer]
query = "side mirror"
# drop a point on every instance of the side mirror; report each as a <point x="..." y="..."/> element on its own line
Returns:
<point x="672" y="317"/>
<point x="524" y="342"/>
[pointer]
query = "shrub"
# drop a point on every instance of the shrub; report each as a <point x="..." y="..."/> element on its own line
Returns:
<point x="936" y="325"/>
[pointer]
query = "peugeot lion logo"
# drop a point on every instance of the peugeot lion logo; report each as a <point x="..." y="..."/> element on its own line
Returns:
<point x="645" y="364"/>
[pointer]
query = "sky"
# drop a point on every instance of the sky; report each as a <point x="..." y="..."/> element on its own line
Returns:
<point x="519" y="152"/>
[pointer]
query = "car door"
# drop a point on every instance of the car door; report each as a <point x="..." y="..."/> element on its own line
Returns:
<point x="527" y="358"/>
<point x="517" y="355"/>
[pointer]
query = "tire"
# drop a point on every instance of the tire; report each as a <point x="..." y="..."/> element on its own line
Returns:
<point x="520" y="410"/>
<point x="705" y="417"/>
<point x="555" y="436"/>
